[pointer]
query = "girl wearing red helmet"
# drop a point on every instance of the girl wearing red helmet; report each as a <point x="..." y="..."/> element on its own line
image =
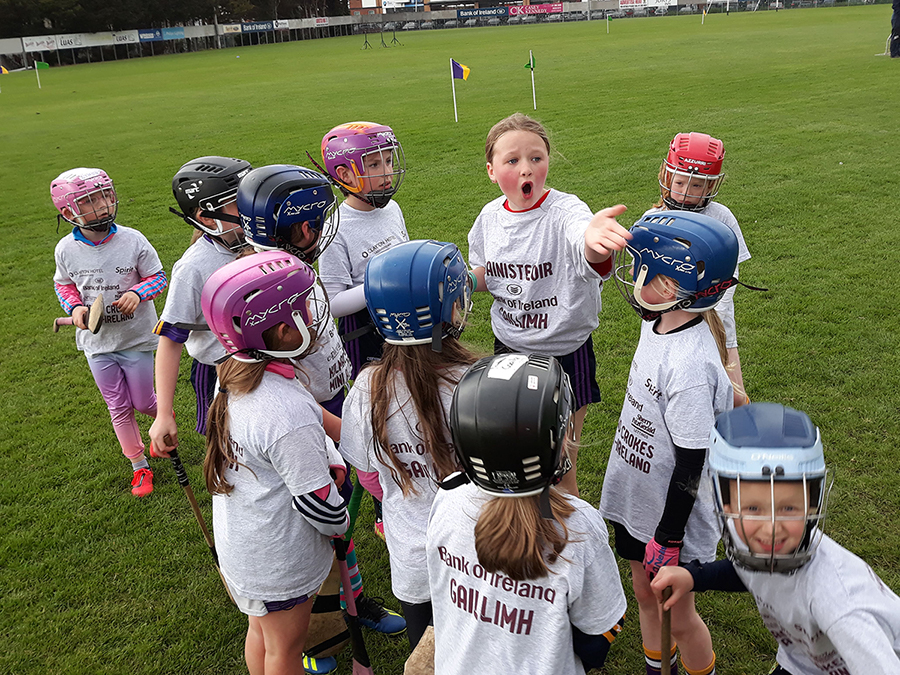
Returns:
<point x="689" y="180"/>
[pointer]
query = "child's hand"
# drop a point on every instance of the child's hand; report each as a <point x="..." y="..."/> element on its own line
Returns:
<point x="128" y="302"/>
<point x="678" y="578"/>
<point x="604" y="235"/>
<point x="79" y="317"/>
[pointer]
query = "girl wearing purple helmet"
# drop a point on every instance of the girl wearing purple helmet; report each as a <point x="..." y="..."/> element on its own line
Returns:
<point x="99" y="256"/>
<point x="365" y="161"/>
<point x="267" y="454"/>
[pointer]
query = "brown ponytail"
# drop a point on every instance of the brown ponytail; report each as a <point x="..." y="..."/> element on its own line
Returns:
<point x="511" y="536"/>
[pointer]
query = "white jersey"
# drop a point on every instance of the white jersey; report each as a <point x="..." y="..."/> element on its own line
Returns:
<point x="676" y="388"/>
<point x="267" y="550"/>
<point x="195" y="266"/>
<point x="361" y="236"/>
<point x="326" y="370"/>
<point x="833" y="616"/>
<point x="488" y="623"/>
<point x="546" y="295"/>
<point x="725" y="308"/>
<point x="405" y="518"/>
<point x="111" y="268"/>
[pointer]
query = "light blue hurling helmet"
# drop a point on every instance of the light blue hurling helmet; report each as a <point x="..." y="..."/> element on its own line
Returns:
<point x="698" y="252"/>
<point x="418" y="293"/>
<point x="271" y="199"/>
<point x="767" y="443"/>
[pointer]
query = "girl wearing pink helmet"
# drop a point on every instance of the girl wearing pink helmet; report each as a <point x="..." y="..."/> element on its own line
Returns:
<point x="99" y="256"/>
<point x="275" y="502"/>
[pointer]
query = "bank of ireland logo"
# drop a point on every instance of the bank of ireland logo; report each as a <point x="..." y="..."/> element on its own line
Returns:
<point x="514" y="289"/>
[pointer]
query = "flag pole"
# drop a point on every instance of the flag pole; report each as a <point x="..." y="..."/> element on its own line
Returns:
<point x="533" y="94"/>
<point x="37" y="74"/>
<point x="607" y="24"/>
<point x="453" y="87"/>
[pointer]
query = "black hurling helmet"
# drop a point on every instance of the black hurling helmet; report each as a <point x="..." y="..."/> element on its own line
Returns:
<point x="509" y="419"/>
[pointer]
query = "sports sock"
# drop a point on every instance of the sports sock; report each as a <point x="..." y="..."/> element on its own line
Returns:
<point x="355" y="577"/>
<point x="709" y="670"/>
<point x="653" y="661"/>
<point x="141" y="463"/>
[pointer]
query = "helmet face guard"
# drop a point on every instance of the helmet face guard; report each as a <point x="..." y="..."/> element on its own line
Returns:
<point x="692" y="170"/>
<point x="771" y="486"/>
<point x="510" y="420"/>
<point x="419" y="292"/>
<point x="89" y="197"/>
<point x="372" y="154"/>
<point x="695" y="251"/>
<point x="203" y="187"/>
<point x="274" y="201"/>
<point x="248" y="296"/>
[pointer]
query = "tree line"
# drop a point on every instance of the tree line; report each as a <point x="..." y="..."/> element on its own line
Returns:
<point x="44" y="17"/>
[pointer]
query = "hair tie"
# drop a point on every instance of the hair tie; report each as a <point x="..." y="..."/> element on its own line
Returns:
<point x="223" y="390"/>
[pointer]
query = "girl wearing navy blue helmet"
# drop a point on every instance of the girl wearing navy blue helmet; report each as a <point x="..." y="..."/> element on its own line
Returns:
<point x="653" y="493"/>
<point x="396" y="415"/>
<point x="828" y="610"/>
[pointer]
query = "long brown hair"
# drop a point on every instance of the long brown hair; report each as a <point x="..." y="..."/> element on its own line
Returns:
<point x="511" y="536"/>
<point x="235" y="378"/>
<point x="424" y="372"/>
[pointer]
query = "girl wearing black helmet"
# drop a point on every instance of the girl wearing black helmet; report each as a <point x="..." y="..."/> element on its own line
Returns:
<point x="206" y="191"/>
<point x="522" y="577"/>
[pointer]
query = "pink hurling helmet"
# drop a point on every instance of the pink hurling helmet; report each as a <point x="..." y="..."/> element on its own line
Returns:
<point x="85" y="193"/>
<point x="246" y="297"/>
<point x="349" y="144"/>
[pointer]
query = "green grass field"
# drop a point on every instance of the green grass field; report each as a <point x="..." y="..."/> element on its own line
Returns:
<point x="95" y="581"/>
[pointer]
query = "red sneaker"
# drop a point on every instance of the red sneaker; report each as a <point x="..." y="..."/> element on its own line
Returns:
<point x="142" y="483"/>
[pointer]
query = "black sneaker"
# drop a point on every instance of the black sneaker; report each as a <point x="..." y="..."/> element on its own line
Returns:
<point x="373" y="615"/>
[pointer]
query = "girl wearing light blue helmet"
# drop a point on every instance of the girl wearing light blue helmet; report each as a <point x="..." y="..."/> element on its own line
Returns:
<point x="828" y="610"/>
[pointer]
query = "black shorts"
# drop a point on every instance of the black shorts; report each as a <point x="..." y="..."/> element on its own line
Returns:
<point x="627" y="546"/>
<point x="580" y="366"/>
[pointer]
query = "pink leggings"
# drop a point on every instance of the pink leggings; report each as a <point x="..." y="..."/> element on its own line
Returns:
<point x="125" y="380"/>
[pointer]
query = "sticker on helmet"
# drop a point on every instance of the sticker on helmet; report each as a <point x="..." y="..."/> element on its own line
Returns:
<point x="532" y="382"/>
<point x="506" y="366"/>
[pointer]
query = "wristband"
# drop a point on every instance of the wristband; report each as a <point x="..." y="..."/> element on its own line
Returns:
<point x="474" y="281"/>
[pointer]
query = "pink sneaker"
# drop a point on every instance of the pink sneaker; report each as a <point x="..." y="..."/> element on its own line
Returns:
<point x="142" y="483"/>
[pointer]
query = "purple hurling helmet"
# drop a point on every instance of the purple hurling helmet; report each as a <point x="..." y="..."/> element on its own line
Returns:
<point x="246" y="297"/>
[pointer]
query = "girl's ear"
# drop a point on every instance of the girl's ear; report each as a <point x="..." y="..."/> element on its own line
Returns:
<point x="346" y="176"/>
<point x="490" y="172"/>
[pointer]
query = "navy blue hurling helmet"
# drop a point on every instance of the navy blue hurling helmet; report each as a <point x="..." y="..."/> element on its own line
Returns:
<point x="418" y="293"/>
<point x="698" y="252"/>
<point x="751" y="450"/>
<point x="509" y="419"/>
<point x="272" y="199"/>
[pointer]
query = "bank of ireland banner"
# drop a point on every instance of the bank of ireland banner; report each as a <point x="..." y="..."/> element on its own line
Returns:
<point x="486" y="11"/>
<point x="150" y="34"/>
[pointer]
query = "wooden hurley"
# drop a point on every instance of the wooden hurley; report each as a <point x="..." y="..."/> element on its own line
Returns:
<point x="95" y="317"/>
<point x="665" y="648"/>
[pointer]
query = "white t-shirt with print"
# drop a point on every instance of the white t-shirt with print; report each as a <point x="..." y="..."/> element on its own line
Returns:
<point x="267" y="550"/>
<point x="326" y="370"/>
<point x="725" y="308"/>
<point x="361" y="236"/>
<point x="833" y="616"/>
<point x="111" y="268"/>
<point x="405" y="518"/>
<point x="487" y="623"/>
<point x="195" y="266"/>
<point x="546" y="295"/>
<point x="676" y="388"/>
